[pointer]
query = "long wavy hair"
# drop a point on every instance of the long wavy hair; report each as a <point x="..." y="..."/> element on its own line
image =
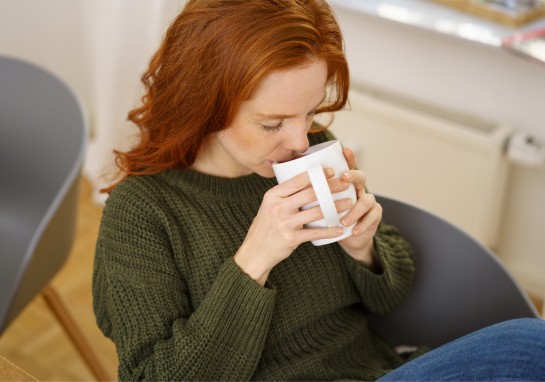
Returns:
<point x="213" y="57"/>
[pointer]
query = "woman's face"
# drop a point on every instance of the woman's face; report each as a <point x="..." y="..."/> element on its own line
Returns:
<point x="270" y="127"/>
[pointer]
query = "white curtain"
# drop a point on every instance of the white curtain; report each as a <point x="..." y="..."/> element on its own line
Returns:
<point x="100" y="48"/>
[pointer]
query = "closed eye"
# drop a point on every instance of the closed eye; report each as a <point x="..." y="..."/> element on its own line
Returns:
<point x="280" y="123"/>
<point x="276" y="127"/>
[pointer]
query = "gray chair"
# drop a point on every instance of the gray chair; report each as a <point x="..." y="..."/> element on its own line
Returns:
<point x="43" y="132"/>
<point x="459" y="285"/>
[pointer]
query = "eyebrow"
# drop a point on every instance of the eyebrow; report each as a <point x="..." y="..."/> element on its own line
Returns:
<point x="284" y="116"/>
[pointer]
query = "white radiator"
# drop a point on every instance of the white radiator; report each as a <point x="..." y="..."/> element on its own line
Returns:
<point x="449" y="163"/>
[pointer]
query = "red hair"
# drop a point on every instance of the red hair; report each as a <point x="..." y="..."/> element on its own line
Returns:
<point x="212" y="58"/>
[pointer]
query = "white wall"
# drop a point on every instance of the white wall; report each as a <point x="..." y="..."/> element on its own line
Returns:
<point x="48" y="33"/>
<point x="100" y="48"/>
<point x="469" y="77"/>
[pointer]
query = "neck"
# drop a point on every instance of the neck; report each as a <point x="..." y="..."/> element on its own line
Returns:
<point x="213" y="160"/>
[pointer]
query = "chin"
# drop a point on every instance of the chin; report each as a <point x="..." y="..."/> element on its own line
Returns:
<point x="265" y="171"/>
<point x="266" y="174"/>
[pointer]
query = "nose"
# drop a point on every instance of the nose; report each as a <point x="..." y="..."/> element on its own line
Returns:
<point x="297" y="139"/>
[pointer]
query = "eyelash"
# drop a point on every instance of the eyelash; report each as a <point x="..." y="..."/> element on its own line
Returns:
<point x="281" y="123"/>
<point x="275" y="127"/>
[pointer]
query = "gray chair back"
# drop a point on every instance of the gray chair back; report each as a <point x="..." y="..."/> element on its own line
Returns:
<point x="459" y="285"/>
<point x="42" y="139"/>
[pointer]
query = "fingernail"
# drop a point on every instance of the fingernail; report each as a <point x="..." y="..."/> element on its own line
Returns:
<point x="346" y="222"/>
<point x="339" y="230"/>
<point x="348" y="175"/>
<point x="329" y="171"/>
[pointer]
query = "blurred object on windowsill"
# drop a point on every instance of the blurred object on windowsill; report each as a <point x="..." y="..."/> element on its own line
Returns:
<point x="529" y="43"/>
<point x="513" y="13"/>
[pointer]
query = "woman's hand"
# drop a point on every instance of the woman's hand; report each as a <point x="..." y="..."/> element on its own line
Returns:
<point x="278" y="230"/>
<point x="366" y="212"/>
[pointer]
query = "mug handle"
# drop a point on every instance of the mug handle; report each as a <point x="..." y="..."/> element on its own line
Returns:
<point x="325" y="199"/>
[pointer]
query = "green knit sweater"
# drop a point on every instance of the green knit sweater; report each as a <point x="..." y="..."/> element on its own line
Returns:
<point x="168" y="293"/>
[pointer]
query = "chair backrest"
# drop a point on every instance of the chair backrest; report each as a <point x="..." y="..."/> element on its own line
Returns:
<point x="459" y="285"/>
<point x="43" y="131"/>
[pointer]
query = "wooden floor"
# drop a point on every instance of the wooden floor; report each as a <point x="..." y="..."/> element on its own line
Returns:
<point x="36" y="342"/>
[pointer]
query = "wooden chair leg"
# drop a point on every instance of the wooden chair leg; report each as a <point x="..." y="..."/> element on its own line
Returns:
<point x="67" y="321"/>
<point x="12" y="372"/>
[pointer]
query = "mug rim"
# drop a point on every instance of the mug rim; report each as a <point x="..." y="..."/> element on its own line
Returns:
<point x="310" y="150"/>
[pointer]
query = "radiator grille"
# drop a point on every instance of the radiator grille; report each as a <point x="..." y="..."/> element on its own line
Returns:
<point x="446" y="114"/>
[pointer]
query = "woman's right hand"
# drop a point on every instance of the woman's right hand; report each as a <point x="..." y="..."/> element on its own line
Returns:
<point x="278" y="229"/>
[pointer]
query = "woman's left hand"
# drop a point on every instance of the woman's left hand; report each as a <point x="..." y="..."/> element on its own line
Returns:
<point x="366" y="212"/>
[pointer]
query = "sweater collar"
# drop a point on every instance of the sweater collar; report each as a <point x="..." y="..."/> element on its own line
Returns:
<point x="249" y="185"/>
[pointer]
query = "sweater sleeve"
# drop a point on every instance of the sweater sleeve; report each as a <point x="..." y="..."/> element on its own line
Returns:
<point x="382" y="292"/>
<point x="142" y="304"/>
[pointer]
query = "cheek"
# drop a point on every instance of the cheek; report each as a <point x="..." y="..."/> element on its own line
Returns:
<point x="249" y="138"/>
<point x="246" y="140"/>
<point x="240" y="144"/>
<point x="231" y="138"/>
<point x="240" y="133"/>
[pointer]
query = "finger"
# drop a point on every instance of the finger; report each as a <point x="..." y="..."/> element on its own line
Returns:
<point x="298" y="183"/>
<point x="343" y="205"/>
<point x="364" y="204"/>
<point x="350" y="157"/>
<point x="357" y="177"/>
<point x="315" y="213"/>
<point x="309" y="234"/>
<point x="287" y="201"/>
<point x="302" y="234"/>
<point x="338" y="185"/>
<point x="308" y="195"/>
<point x="369" y="222"/>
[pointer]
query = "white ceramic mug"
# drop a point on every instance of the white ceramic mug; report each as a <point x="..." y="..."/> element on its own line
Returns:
<point x="314" y="160"/>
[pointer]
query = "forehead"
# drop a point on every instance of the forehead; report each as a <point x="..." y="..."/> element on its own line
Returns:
<point x="290" y="91"/>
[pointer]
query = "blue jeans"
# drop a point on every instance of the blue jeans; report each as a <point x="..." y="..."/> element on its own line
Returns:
<point x="509" y="351"/>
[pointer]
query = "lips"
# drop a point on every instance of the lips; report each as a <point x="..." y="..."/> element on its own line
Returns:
<point x="296" y="156"/>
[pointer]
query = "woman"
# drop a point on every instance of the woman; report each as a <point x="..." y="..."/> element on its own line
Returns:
<point x="203" y="269"/>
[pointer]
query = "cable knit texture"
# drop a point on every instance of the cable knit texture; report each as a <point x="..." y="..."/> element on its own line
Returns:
<point x="168" y="293"/>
